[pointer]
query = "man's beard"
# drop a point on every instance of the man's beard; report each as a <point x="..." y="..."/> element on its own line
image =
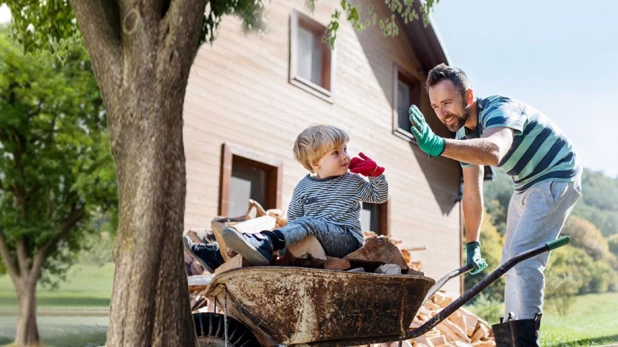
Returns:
<point x="457" y="121"/>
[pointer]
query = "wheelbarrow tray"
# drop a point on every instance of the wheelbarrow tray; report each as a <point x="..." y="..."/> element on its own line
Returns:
<point x="293" y="305"/>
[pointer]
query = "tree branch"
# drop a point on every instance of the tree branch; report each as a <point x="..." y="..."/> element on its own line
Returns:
<point x="99" y="23"/>
<point x="178" y="35"/>
<point x="6" y="257"/>
<point x="77" y="214"/>
<point x="22" y="257"/>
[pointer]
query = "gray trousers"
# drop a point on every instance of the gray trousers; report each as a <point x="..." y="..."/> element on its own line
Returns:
<point x="535" y="217"/>
<point x="336" y="240"/>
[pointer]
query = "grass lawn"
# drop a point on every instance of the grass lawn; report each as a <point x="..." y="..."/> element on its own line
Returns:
<point x="86" y="286"/>
<point x="76" y="314"/>
<point x="592" y="321"/>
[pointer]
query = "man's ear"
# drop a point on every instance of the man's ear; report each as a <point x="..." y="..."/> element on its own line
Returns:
<point x="469" y="96"/>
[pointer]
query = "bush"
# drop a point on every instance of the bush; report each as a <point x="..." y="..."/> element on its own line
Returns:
<point x="560" y="293"/>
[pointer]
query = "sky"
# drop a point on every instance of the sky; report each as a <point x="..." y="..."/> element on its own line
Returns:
<point x="559" y="56"/>
<point x="5" y="14"/>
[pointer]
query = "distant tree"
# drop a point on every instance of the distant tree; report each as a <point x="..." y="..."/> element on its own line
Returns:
<point x="497" y="194"/>
<point x="586" y="236"/>
<point x="141" y="53"/>
<point x="613" y="244"/>
<point x="56" y="169"/>
<point x="599" y="203"/>
<point x="561" y="282"/>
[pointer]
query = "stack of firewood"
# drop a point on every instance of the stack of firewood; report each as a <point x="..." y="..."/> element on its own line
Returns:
<point x="462" y="328"/>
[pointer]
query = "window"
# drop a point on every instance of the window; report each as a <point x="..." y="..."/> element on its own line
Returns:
<point x="244" y="176"/>
<point x="311" y="60"/>
<point x="374" y="217"/>
<point x="407" y="92"/>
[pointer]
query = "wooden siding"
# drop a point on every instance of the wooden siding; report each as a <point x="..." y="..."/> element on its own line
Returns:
<point x="239" y="93"/>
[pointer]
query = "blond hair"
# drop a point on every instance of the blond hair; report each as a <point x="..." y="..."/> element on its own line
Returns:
<point x="313" y="142"/>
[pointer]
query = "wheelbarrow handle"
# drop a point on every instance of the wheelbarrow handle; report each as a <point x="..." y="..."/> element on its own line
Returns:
<point x="492" y="277"/>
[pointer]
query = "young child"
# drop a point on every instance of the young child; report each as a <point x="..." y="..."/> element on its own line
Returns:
<point x="325" y="203"/>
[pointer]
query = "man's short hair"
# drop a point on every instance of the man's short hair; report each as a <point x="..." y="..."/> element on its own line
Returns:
<point x="444" y="72"/>
<point x="313" y="142"/>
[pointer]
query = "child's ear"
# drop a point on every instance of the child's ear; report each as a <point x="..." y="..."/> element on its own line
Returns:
<point x="315" y="165"/>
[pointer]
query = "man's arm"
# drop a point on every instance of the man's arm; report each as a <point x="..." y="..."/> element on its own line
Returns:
<point x="487" y="150"/>
<point x="473" y="201"/>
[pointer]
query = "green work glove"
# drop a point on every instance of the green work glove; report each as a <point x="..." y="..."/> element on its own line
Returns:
<point x="427" y="140"/>
<point x="473" y="255"/>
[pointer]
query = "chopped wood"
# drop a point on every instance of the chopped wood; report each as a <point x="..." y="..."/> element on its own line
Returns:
<point x="460" y="334"/>
<point x="430" y="305"/>
<point x="378" y="250"/>
<point x="357" y="269"/>
<point x="423" y="341"/>
<point x="436" y="341"/>
<point x="308" y="252"/>
<point x="389" y="269"/>
<point x="237" y="262"/>
<point x="441" y="299"/>
<point x="481" y="332"/>
<point x="333" y="263"/>
<point x="256" y="225"/>
<point x="471" y="320"/>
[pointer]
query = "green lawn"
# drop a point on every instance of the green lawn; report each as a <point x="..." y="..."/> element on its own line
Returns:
<point x="592" y="321"/>
<point x="76" y="314"/>
<point x="86" y="286"/>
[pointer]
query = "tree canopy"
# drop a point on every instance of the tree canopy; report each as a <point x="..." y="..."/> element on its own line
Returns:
<point x="56" y="169"/>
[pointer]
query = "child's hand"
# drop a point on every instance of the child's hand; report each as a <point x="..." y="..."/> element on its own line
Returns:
<point x="365" y="166"/>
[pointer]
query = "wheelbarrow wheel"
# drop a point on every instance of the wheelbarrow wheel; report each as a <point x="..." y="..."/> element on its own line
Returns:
<point x="210" y="330"/>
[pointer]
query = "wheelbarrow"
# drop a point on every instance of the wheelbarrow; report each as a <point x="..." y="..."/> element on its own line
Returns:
<point x="271" y="305"/>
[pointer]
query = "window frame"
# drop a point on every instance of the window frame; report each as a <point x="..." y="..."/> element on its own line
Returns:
<point x="272" y="166"/>
<point x="299" y="19"/>
<point x="408" y="77"/>
<point x="383" y="222"/>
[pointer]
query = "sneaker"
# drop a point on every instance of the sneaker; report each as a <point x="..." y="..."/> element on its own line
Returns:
<point x="256" y="248"/>
<point x="207" y="254"/>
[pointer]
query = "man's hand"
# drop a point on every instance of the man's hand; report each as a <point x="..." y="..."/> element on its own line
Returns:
<point x="427" y="140"/>
<point x="365" y="166"/>
<point x="473" y="256"/>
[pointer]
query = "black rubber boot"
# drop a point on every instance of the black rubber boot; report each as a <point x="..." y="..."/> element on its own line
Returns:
<point x="503" y="335"/>
<point x="526" y="332"/>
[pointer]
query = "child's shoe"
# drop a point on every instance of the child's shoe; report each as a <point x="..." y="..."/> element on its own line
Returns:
<point x="256" y="248"/>
<point x="207" y="254"/>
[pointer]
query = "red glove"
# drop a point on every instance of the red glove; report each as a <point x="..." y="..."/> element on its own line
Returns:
<point x="365" y="166"/>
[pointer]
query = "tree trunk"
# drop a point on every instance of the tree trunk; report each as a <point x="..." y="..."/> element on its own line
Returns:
<point x="27" y="333"/>
<point x="150" y="300"/>
<point x="141" y="54"/>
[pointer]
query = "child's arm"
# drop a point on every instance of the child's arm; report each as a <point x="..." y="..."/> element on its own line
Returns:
<point x="375" y="191"/>
<point x="295" y="209"/>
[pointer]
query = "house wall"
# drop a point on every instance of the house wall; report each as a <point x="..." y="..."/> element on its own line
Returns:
<point x="239" y="94"/>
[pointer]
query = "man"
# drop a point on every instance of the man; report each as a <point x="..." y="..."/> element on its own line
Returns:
<point x="503" y="132"/>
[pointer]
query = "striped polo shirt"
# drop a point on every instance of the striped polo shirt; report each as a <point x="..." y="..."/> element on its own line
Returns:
<point x="540" y="151"/>
<point x="337" y="199"/>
